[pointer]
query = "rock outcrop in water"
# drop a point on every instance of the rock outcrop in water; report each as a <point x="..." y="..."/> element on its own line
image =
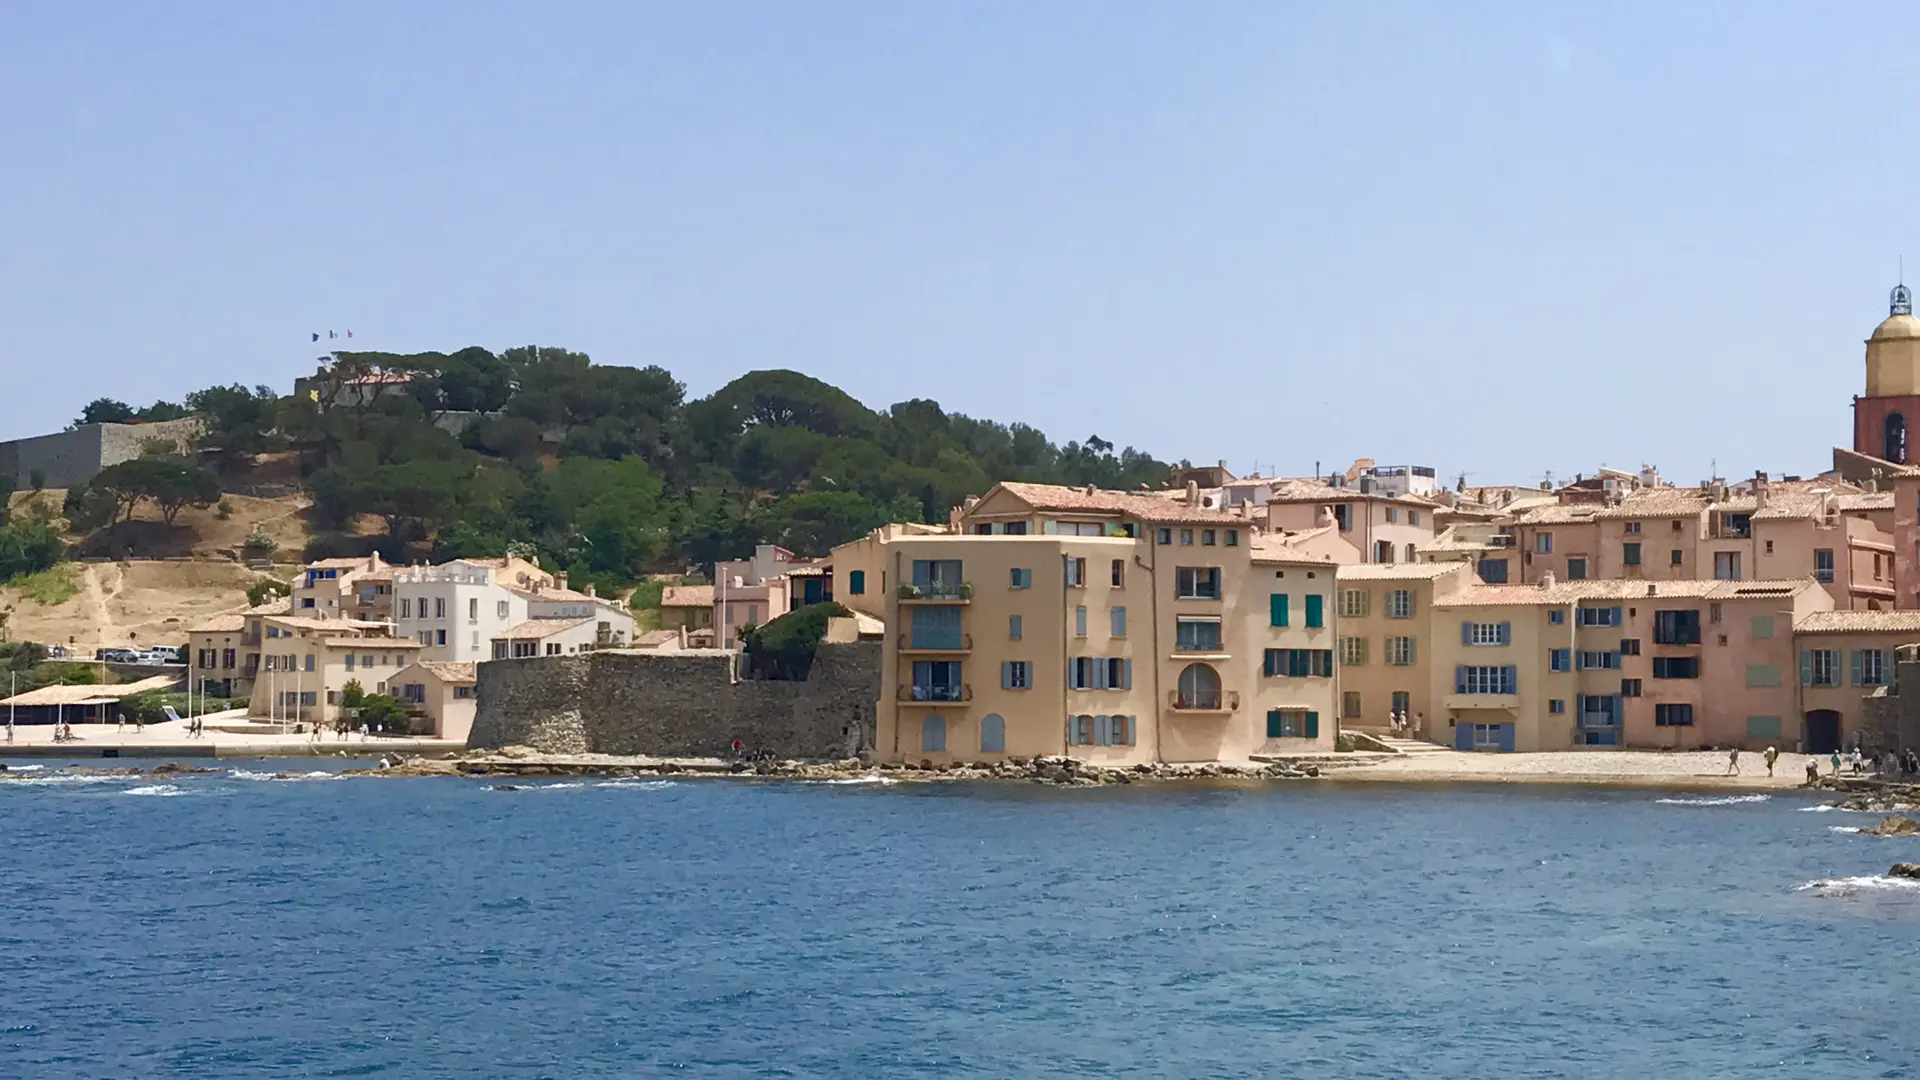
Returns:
<point x="1063" y="771"/>
<point x="1905" y="870"/>
<point x="1893" y="825"/>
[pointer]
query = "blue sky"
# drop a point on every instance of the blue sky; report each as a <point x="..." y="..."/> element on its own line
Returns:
<point x="1494" y="238"/>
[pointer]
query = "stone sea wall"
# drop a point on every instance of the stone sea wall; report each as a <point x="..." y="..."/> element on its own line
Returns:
<point x="677" y="705"/>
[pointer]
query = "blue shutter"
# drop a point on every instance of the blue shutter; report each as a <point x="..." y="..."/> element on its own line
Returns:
<point x="1614" y="614"/>
<point x="1853" y="661"/>
<point x="1466" y="633"/>
<point x="1069" y="729"/>
<point x="1080" y="621"/>
<point x="1506" y="632"/>
<point x="1277" y="609"/>
<point x="1006" y="674"/>
<point x="1103" y="731"/>
<point x="1462" y="736"/>
<point x="1313" y="724"/>
<point x="1806" y="667"/>
<point x="1506" y="737"/>
<point x="1133" y="729"/>
<point x="1509" y="679"/>
<point x="1126" y="674"/>
<point x="1459" y="678"/>
<point x="1579" y="705"/>
<point x="1117" y="621"/>
<point x="1100" y="673"/>
<point x="1619" y="711"/>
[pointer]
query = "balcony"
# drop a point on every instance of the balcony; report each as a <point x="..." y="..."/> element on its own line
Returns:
<point x="1217" y="702"/>
<point x="950" y="646"/>
<point x="1509" y="702"/>
<point x="937" y="592"/>
<point x="927" y="694"/>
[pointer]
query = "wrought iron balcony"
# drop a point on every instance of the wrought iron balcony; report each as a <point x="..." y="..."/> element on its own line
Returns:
<point x="962" y="643"/>
<point x="1214" y="701"/>
<point x="938" y="592"/>
<point x="929" y="694"/>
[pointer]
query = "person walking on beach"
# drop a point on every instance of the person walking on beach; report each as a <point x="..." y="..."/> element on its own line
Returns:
<point x="1835" y="758"/>
<point x="1859" y="763"/>
<point x="363" y="731"/>
<point x="121" y="723"/>
<point x="1772" y="755"/>
<point x="1419" y="725"/>
<point x="1733" y="762"/>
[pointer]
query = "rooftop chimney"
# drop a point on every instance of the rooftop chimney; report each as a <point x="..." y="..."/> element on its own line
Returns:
<point x="1546" y="580"/>
<point x="1193" y="493"/>
<point x="1652" y="590"/>
<point x="560" y="580"/>
<point x="590" y="591"/>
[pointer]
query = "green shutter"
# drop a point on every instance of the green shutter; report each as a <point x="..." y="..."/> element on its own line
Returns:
<point x="1806" y="667"/>
<point x="1277" y="608"/>
<point x="1273" y="723"/>
<point x="1853" y="662"/>
<point x="1313" y="725"/>
<point x="1313" y="609"/>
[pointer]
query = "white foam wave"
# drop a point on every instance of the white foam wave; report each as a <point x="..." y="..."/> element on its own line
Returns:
<point x="1823" y="808"/>
<point x="1844" y="828"/>
<point x="1853" y="886"/>
<point x="1715" y="800"/>
<point x="868" y="779"/>
<point x="557" y="787"/>
<point x="636" y="785"/>
<point x="24" y="768"/>
<point x="245" y="774"/>
<point x="66" y="779"/>
<point x="156" y="789"/>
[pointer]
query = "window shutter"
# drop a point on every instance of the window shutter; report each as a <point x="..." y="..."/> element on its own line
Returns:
<point x="1459" y="678"/>
<point x="1099" y="665"/>
<point x="1133" y="729"/>
<point x="1086" y="729"/>
<point x="1118" y="618"/>
<point x="1273" y="723"/>
<point x="1506" y="736"/>
<point x="1103" y="731"/>
<point x="1614" y="614"/>
<point x="1505" y="633"/>
<point x="1314" y="612"/>
<point x="1508" y="678"/>
<point x="1277" y="609"/>
<point x="1853" y="662"/>
<point x="1463" y="736"/>
<point x="1619" y="711"/>
<point x="1806" y="667"/>
<point x="1126" y="674"/>
<point x="1580" y="704"/>
<point x="1080" y="621"/>
<point x="1466" y="633"/>
<point x="1006" y="674"/>
<point x="1313" y="725"/>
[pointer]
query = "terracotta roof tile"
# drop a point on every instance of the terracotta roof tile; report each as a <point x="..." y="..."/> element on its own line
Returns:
<point x="686" y="596"/>
<point x="1858" y="622"/>
<point x="1397" y="571"/>
<point x="534" y="629"/>
<point x="1147" y="506"/>
<point x="452" y="671"/>
<point x="221" y="624"/>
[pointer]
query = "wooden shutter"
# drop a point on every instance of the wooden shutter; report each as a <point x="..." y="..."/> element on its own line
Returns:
<point x="1853" y="663"/>
<point x="1277" y="609"/>
<point x="1313" y="724"/>
<point x="1505" y="633"/>
<point x="1806" y="667"/>
<point x="1459" y="678"/>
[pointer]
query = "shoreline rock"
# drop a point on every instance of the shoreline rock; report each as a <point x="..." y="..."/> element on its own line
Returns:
<point x="1893" y="825"/>
<point x="1059" y="771"/>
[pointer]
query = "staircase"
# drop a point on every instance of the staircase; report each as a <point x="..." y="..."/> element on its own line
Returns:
<point x="1412" y="746"/>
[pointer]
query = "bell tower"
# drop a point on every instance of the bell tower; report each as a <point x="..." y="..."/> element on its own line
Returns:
<point x="1883" y="415"/>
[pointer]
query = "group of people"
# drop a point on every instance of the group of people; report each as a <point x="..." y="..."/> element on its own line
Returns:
<point x="62" y="732"/>
<point x="1399" y="722"/>
<point x="139" y="723"/>
<point x="1890" y="764"/>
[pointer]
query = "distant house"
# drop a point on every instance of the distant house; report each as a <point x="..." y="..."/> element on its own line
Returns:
<point x="687" y="607"/>
<point x="440" y="690"/>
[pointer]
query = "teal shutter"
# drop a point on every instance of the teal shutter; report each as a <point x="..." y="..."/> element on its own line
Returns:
<point x="1126" y="674"/>
<point x="1273" y="723"/>
<point x="1466" y="633"/>
<point x="1853" y="662"/>
<point x="1314" y="601"/>
<point x="857" y="582"/>
<point x="1509" y="679"/>
<point x="1313" y="725"/>
<point x="1505" y="633"/>
<point x="1103" y="731"/>
<point x="1006" y="674"/>
<point x="1614" y="614"/>
<point x="1277" y="609"/>
<point x="1117" y="622"/>
<point x="1806" y="667"/>
<point x="1579" y="704"/>
<point x="1080" y="621"/>
<point x="1459" y="678"/>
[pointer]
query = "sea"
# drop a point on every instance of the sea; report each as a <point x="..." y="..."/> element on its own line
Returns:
<point x="275" y="920"/>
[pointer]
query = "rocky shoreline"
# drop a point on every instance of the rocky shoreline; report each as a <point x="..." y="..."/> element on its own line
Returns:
<point x="1062" y="771"/>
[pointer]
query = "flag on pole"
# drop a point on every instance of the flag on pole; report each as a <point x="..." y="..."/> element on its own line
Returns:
<point x="331" y="335"/>
<point x="316" y="336"/>
<point x="349" y="333"/>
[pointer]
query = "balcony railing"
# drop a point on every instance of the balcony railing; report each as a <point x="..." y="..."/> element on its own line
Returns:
<point x="961" y="643"/>
<point x="1205" y="701"/>
<point x="938" y="590"/>
<point x="928" y="694"/>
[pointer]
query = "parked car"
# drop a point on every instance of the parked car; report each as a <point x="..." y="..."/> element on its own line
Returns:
<point x="119" y="656"/>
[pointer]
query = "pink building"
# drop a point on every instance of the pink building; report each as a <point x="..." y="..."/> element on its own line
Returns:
<point x="755" y="591"/>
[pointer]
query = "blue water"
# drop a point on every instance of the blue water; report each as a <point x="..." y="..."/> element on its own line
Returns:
<point x="242" y="927"/>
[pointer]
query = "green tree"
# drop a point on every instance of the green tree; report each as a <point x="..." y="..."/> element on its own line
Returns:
<point x="28" y="547"/>
<point x="171" y="483"/>
<point x="6" y="496"/>
<point x="105" y="411"/>
<point x="240" y="423"/>
<point x="165" y="410"/>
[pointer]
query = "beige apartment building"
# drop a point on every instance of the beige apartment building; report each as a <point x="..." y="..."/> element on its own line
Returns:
<point x="1384" y="650"/>
<point x="307" y="662"/>
<point x="1381" y="527"/>
<point x="1116" y="627"/>
<point x="1845" y="656"/>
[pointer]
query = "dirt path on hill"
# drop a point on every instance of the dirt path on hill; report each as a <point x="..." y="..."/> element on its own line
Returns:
<point x="99" y="599"/>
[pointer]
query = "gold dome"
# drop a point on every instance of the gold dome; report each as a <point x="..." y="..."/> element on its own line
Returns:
<point x="1897" y="327"/>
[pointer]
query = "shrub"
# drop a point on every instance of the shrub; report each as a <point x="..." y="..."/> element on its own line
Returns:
<point x="225" y="510"/>
<point x="784" y="648"/>
<point x="37" y="480"/>
<point x="257" y="545"/>
<point x="262" y="591"/>
<point x="51" y="586"/>
<point x="28" y="547"/>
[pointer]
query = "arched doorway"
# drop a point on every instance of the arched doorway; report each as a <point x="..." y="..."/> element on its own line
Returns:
<point x="1894" y="433"/>
<point x="1199" y="687"/>
<point x="1822" y="733"/>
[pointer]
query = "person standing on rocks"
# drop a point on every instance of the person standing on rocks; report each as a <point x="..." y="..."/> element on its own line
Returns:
<point x="1772" y="755"/>
<point x="1733" y="762"/>
<point x="1835" y="758"/>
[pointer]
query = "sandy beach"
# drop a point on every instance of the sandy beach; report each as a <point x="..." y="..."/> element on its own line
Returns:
<point x="170" y="739"/>
<point x="1690" y="770"/>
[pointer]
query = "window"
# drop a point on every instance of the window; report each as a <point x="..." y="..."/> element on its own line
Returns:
<point x="1870" y="667"/>
<point x="1118" y="673"/>
<point x="1676" y="667"/>
<point x="1411" y="553"/>
<point x="1393" y="515"/>
<point x="1576" y="568"/>
<point x="309" y="663"/>
<point x="1014" y="528"/>
<point x="439" y="637"/>
<point x="1556" y="706"/>
<point x="1117" y="622"/>
<point x="1629" y="687"/>
<point x="1486" y="633"/>
<point x="1633" y="528"/>
<point x="462" y="693"/>
<point x="1353" y="650"/>
<point x="1206" y="537"/>
<point x="350" y="660"/>
<point x="1353" y="603"/>
<point x="1599" y="616"/>
<point x="1629" y="646"/>
<point x="937" y="680"/>
<point x="440" y="607"/>
<point x="1713" y="615"/>
<point x="1316" y="615"/>
<point x="1080" y="621"/>
<point x="1199" y="688"/>
<point x="1594" y="660"/>
<point x="1399" y="603"/>
<point x="933" y="732"/>
<point x="1490" y="736"/>
<point x="306" y="602"/>
<point x="1543" y="543"/>
<point x="1413" y="517"/>
<point x="553" y="648"/>
<point x="1277" y="609"/>
<point x="1675" y="560"/>
<point x="993" y="734"/>
<point x="406" y="611"/>
<point x="366" y="661"/>
<point x="1076" y="572"/>
<point x="1298" y="663"/>
<point x="1119" y="572"/>
<point x="1823" y="564"/>
<point x="1630" y="554"/>
<point x="936" y="627"/>
<point x="1485" y="679"/>
<point x="1013" y="628"/>
<point x="1165" y="536"/>
<point x="501" y="610"/>
<point x="1493" y="571"/>
<point x="1676" y="714"/>
<point x="1559" y="659"/>
<point x="1022" y="578"/>
<point x="1197" y="583"/>
<point x="856" y="584"/>
<point x="1769" y="547"/>
<point x="227" y="658"/>
<point x="473" y="609"/>
<point x="1186" y="537"/>
<point x="1726" y="566"/>
<point x="1399" y="651"/>
<point x="1558" y="617"/>
<point x="1016" y="675"/>
<point x="1676" y="627"/>
<point x="985" y="528"/>
<point x="499" y="650"/>
<point x="1350" y="704"/>
<point x="1343" y="516"/>
<point x="1292" y="724"/>
<point x="1196" y="634"/>
<point x="1819" y="667"/>
<point x="1233" y="537"/>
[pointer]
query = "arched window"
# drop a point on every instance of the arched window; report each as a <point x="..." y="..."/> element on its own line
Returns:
<point x="1199" y="687"/>
<point x="933" y="732"/>
<point x="1896" y="439"/>
<point x="993" y="734"/>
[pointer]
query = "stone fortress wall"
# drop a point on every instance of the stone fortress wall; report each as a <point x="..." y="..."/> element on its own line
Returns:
<point x="68" y="459"/>
<point x="677" y="704"/>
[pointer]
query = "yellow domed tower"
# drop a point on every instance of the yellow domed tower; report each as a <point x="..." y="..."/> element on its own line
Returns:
<point x="1892" y="402"/>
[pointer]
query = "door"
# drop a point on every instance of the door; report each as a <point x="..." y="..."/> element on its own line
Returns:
<point x="1822" y="731"/>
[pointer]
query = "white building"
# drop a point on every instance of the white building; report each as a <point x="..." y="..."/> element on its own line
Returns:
<point x="453" y="610"/>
